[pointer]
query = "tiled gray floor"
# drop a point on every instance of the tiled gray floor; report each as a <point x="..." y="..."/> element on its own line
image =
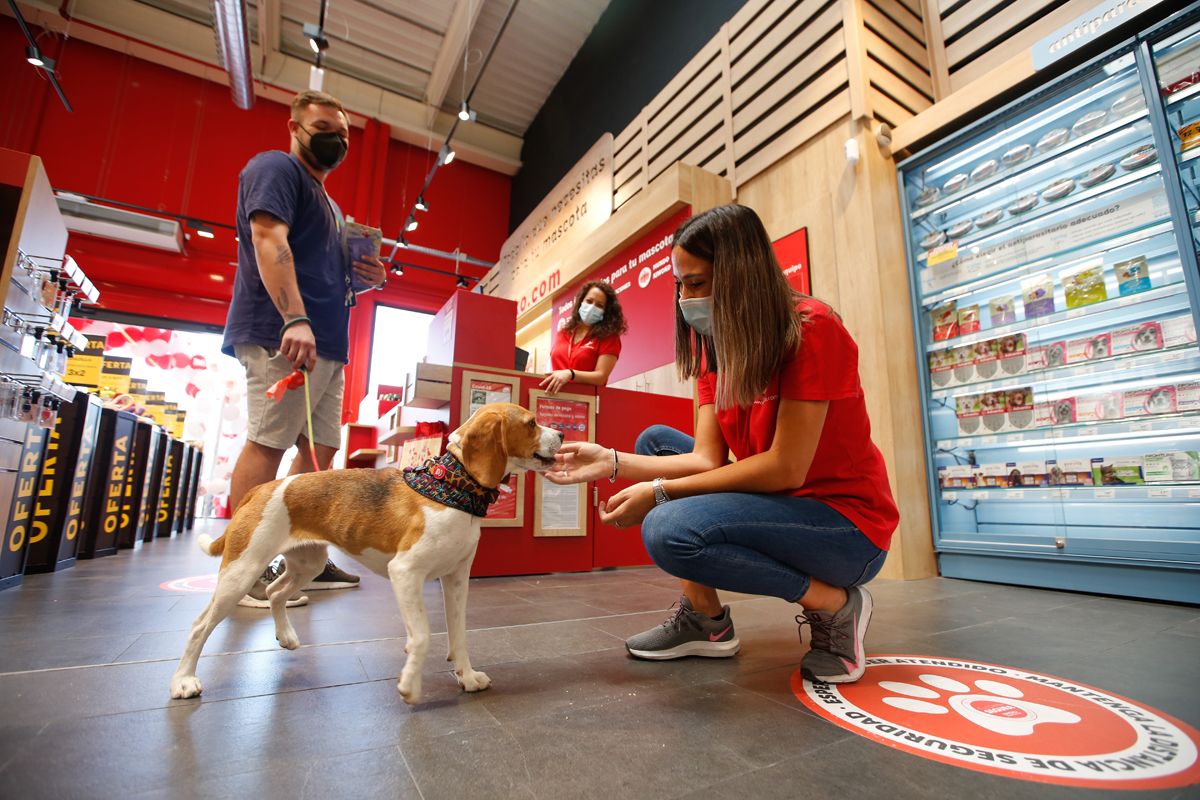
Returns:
<point x="86" y="656"/>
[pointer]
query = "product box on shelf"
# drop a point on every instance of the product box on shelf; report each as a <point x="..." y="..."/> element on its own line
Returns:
<point x="1045" y="413"/>
<point x="1019" y="406"/>
<point x="968" y="409"/>
<point x="945" y="321"/>
<point x="1137" y="338"/>
<point x="1002" y="310"/>
<point x="1084" y="286"/>
<point x="1013" y="360"/>
<point x="993" y="410"/>
<point x="1187" y="396"/>
<point x="1133" y="276"/>
<point x="1033" y="473"/>
<point x="1178" y="331"/>
<point x="1177" y="466"/>
<point x="987" y="359"/>
<point x="993" y="476"/>
<point x="1098" y="407"/>
<point x="1038" y="294"/>
<point x="957" y="476"/>
<point x="1126" y="470"/>
<point x="964" y="364"/>
<point x="1069" y="472"/>
<point x="1089" y="348"/>
<point x="1154" y="400"/>
<point x="941" y="368"/>
<point x="968" y="320"/>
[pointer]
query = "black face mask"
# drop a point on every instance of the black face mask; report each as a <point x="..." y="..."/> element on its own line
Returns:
<point x="326" y="148"/>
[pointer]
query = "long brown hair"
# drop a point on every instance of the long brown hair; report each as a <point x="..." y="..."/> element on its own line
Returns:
<point x="755" y="322"/>
<point x="613" y="323"/>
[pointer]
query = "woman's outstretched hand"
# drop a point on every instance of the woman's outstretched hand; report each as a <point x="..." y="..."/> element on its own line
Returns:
<point x="580" y="462"/>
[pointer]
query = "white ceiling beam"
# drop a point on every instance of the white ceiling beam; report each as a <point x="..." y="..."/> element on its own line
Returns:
<point x="127" y="26"/>
<point x="454" y="44"/>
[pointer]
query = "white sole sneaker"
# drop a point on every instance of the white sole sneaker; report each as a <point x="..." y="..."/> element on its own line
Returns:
<point x="254" y="602"/>
<point x="860" y="635"/>
<point x="697" y="648"/>
<point x="317" y="587"/>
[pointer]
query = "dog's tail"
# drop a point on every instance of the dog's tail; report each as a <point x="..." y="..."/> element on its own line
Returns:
<point x="209" y="546"/>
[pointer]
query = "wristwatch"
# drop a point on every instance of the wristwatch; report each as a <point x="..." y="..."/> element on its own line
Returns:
<point x="660" y="494"/>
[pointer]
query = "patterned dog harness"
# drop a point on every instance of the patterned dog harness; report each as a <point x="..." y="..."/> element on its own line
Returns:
<point x="445" y="480"/>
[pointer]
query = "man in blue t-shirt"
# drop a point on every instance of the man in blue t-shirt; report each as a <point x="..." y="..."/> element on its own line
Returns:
<point x="291" y="306"/>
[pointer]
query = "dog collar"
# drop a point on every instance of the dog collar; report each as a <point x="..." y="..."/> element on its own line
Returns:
<point x="445" y="480"/>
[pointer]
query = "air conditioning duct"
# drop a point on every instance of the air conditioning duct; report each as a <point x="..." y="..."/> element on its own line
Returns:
<point x="233" y="46"/>
<point x="107" y="222"/>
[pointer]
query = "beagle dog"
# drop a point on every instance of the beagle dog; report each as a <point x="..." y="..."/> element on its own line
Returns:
<point x="393" y="529"/>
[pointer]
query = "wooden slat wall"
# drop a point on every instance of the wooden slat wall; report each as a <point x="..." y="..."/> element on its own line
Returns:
<point x="979" y="35"/>
<point x="773" y="77"/>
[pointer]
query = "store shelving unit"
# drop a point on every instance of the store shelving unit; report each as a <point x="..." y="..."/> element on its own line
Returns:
<point x="1052" y="249"/>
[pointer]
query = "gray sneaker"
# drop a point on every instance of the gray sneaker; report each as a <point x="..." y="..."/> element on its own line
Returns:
<point x="686" y="633"/>
<point x="837" y="654"/>
<point x="257" y="596"/>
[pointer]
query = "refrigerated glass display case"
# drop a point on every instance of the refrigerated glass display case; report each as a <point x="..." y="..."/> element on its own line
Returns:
<point x="1053" y="266"/>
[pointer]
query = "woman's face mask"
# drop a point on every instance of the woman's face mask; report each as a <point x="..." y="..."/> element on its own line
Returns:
<point x="697" y="312"/>
<point x="590" y="313"/>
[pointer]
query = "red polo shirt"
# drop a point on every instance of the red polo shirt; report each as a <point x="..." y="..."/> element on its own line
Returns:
<point x="847" y="473"/>
<point x="581" y="356"/>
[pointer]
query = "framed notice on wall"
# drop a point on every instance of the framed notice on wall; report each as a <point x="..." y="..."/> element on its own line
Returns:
<point x="562" y="510"/>
<point x="792" y="253"/>
<point x="478" y="390"/>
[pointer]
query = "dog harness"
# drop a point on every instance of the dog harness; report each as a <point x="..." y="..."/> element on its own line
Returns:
<point x="445" y="480"/>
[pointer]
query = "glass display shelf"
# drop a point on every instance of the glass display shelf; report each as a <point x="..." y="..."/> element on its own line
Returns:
<point x="1150" y="428"/>
<point x="1176" y="97"/>
<point x="1155" y="363"/>
<point x="1158" y="491"/>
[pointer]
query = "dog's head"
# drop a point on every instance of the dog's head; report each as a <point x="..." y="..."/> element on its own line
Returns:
<point x="501" y="438"/>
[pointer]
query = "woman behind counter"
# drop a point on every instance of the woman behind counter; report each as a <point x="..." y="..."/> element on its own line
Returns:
<point x="589" y="344"/>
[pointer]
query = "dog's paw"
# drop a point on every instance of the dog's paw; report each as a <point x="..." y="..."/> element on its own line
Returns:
<point x="473" y="681"/>
<point x="187" y="686"/>
<point x="410" y="689"/>
<point x="288" y="640"/>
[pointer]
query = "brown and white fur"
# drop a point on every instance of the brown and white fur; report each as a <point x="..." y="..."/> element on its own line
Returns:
<point x="375" y="517"/>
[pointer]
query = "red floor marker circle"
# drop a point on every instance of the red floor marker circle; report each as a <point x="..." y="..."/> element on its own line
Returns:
<point x="1010" y="722"/>
<point x="196" y="583"/>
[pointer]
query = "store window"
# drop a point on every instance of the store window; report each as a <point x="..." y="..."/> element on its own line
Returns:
<point x="397" y="343"/>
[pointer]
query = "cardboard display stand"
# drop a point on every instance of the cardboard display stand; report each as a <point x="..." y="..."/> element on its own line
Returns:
<point x="169" y="492"/>
<point x="195" y="489"/>
<point x="185" y="486"/>
<point x="95" y="539"/>
<point x="60" y="496"/>
<point x="20" y="519"/>
<point x="135" y="485"/>
<point x="148" y="519"/>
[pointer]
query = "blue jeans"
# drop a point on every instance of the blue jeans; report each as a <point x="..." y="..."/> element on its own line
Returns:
<point x="768" y="544"/>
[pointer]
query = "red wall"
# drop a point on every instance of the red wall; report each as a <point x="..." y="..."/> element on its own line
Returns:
<point x="148" y="135"/>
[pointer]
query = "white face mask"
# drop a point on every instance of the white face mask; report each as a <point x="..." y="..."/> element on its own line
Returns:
<point x="697" y="312"/>
<point x="589" y="313"/>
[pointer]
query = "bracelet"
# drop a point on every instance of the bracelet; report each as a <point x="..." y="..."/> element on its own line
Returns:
<point x="573" y="376"/>
<point x="292" y="322"/>
<point x="616" y="465"/>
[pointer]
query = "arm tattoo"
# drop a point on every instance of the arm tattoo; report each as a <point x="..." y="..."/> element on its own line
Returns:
<point x="283" y="254"/>
<point x="282" y="302"/>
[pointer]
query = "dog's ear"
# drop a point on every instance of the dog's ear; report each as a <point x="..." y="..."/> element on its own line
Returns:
<point x="480" y="445"/>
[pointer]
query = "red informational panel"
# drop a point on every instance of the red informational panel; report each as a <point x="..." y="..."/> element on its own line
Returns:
<point x="641" y="275"/>
<point x="792" y="252"/>
<point x="474" y="329"/>
<point x="623" y="415"/>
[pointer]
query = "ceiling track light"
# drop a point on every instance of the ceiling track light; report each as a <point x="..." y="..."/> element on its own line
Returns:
<point x="34" y="56"/>
<point x="421" y="205"/>
<point x="465" y="113"/>
<point x="316" y="38"/>
<point x="412" y="224"/>
<point x="446" y="155"/>
<point x="398" y="270"/>
<point x="203" y="231"/>
<point x="463" y="283"/>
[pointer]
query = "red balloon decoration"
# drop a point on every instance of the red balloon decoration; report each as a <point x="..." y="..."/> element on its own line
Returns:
<point x="181" y="360"/>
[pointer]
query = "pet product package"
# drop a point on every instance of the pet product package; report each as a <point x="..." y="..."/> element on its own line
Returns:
<point x="1012" y="349"/>
<point x="1126" y="470"/>
<point x="1089" y="348"/>
<point x="987" y="359"/>
<point x="1137" y="338"/>
<point x="1084" y="286"/>
<point x="967" y="408"/>
<point x="1033" y="473"/>
<point x="1156" y="400"/>
<point x="941" y="368"/>
<point x="1002" y="310"/>
<point x="945" y="321"/>
<point x="360" y="241"/>
<point x="968" y="320"/>
<point x="992" y="476"/>
<point x="964" y="363"/>
<point x="1178" y="466"/>
<point x="958" y="476"/>
<point x="1187" y="396"/>
<point x="1045" y="413"/>
<point x="1069" y="472"/>
<point x="1178" y="331"/>
<point x="1098" y="407"/>
<point x="1047" y="356"/>
<point x="1039" y="296"/>
<point x="1133" y="276"/>
<point x="993" y="411"/>
<point x="1020" y="409"/>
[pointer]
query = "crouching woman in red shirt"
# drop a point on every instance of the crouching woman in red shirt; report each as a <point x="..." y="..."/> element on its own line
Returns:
<point x="805" y="512"/>
<point x="589" y="344"/>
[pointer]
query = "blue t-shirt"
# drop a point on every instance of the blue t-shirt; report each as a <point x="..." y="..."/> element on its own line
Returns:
<point x="277" y="183"/>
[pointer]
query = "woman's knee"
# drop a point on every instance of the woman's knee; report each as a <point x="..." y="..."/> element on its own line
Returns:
<point x="667" y="535"/>
<point x="651" y="441"/>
